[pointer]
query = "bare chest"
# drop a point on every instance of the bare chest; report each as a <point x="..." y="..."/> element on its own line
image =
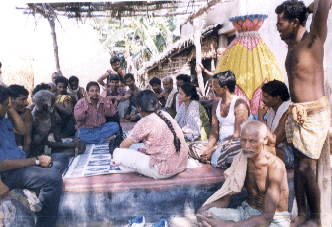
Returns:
<point x="305" y="57"/>
<point x="256" y="180"/>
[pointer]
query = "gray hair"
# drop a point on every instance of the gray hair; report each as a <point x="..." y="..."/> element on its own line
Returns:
<point x="43" y="97"/>
<point x="260" y="127"/>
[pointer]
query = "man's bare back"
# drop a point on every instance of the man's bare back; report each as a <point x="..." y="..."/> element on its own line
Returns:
<point x="257" y="182"/>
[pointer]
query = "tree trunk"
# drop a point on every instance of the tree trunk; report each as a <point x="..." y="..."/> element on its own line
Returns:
<point x="324" y="184"/>
<point x="51" y="21"/>
<point x="198" y="46"/>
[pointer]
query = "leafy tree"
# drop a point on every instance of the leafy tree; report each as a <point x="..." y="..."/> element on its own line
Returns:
<point x="136" y="39"/>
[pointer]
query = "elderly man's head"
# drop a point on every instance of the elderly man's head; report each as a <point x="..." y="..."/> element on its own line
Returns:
<point x="54" y="76"/>
<point x="44" y="101"/>
<point x="253" y="138"/>
<point x="168" y="84"/>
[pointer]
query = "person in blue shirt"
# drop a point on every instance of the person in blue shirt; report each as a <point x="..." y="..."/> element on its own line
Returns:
<point x="42" y="173"/>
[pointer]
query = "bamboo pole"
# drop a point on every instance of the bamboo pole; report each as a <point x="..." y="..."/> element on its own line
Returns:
<point x="51" y="21"/>
<point x="198" y="46"/>
<point x="324" y="184"/>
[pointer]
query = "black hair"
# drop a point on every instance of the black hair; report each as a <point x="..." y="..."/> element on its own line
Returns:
<point x="276" y="88"/>
<point x="293" y="9"/>
<point x="148" y="102"/>
<point x="61" y="79"/>
<point x="190" y="90"/>
<point x="184" y="77"/>
<point x="127" y="76"/>
<point x="73" y="79"/>
<point x="193" y="80"/>
<point x="17" y="90"/>
<point x="155" y="80"/>
<point x="4" y="94"/>
<point x="114" y="59"/>
<point x="92" y="83"/>
<point x="113" y="76"/>
<point x="40" y="87"/>
<point x="226" y="78"/>
<point x="0" y="64"/>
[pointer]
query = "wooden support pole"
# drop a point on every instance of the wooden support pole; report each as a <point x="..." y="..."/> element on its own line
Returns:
<point x="51" y="21"/>
<point x="324" y="184"/>
<point x="198" y="46"/>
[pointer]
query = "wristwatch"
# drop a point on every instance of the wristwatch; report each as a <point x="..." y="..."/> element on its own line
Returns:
<point x="37" y="161"/>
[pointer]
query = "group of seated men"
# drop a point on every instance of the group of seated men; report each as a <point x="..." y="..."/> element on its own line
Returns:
<point x="63" y="109"/>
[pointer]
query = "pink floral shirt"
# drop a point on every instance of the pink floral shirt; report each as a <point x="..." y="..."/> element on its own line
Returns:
<point x="159" y="142"/>
<point x="88" y="116"/>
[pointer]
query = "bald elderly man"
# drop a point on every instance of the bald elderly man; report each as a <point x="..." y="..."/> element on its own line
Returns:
<point x="266" y="183"/>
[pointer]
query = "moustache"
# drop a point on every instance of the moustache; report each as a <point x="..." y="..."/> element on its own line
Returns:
<point x="247" y="151"/>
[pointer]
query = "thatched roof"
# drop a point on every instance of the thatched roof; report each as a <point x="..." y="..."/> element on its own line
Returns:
<point x="116" y="9"/>
<point x="177" y="47"/>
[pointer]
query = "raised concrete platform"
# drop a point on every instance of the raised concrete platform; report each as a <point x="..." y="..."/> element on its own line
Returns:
<point x="111" y="200"/>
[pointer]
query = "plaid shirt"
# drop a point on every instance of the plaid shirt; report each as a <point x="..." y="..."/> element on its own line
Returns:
<point x="89" y="116"/>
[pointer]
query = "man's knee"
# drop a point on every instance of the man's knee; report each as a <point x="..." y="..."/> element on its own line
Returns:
<point x="53" y="179"/>
<point x="307" y="165"/>
<point x="113" y="125"/>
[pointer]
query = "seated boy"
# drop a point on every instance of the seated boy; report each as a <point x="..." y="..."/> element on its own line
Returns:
<point x="119" y="95"/>
<point x="74" y="90"/>
<point x="276" y="100"/>
<point x="64" y="108"/>
<point x="133" y="115"/>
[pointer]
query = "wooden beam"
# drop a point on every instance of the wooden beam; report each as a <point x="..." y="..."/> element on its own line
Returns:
<point x="204" y="9"/>
<point x="55" y="45"/>
<point x="324" y="184"/>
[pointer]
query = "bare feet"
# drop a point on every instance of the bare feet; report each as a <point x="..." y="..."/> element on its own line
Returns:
<point x="298" y="221"/>
<point x="110" y="138"/>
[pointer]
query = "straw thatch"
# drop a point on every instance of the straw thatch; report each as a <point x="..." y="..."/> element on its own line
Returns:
<point x="117" y="9"/>
<point x="209" y="37"/>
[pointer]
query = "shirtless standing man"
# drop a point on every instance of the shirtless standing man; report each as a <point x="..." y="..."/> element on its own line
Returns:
<point x="266" y="183"/>
<point x="307" y="126"/>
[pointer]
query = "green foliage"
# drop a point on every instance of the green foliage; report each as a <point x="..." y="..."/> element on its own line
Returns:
<point x="140" y="38"/>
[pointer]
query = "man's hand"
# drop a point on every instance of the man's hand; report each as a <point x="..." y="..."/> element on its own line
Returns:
<point x="45" y="161"/>
<point x="262" y="110"/>
<point x="207" y="152"/>
<point x="119" y="98"/>
<point x="10" y="105"/>
<point x="210" y="220"/>
<point x="4" y="190"/>
<point x="86" y="96"/>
